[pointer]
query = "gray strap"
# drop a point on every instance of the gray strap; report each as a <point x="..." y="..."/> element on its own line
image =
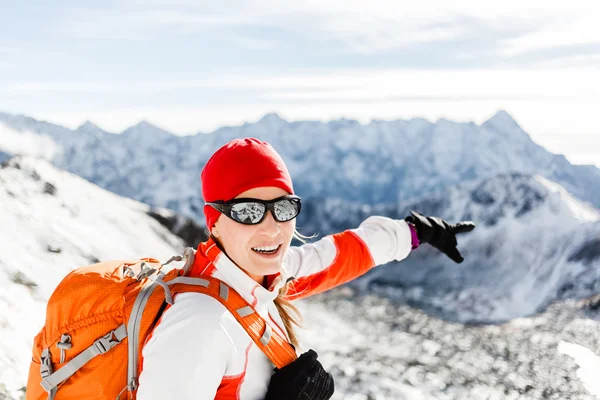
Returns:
<point x="182" y="279"/>
<point x="133" y="328"/>
<point x="223" y="291"/>
<point x="46" y="371"/>
<point x="135" y="320"/>
<point x="244" y="311"/>
<point x="100" y="346"/>
<point x="266" y="335"/>
<point x="158" y="279"/>
<point x="190" y="255"/>
<point x="189" y="281"/>
<point x="174" y="258"/>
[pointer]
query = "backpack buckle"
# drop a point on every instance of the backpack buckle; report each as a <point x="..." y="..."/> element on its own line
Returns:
<point x="46" y="364"/>
<point x="105" y="343"/>
<point x="158" y="279"/>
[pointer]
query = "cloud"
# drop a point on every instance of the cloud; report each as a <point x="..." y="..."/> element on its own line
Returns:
<point x="572" y="61"/>
<point x="579" y="30"/>
<point x="142" y="24"/>
<point x="8" y="49"/>
<point x="354" y="27"/>
<point x="354" y="84"/>
<point x="251" y="43"/>
<point x="329" y="94"/>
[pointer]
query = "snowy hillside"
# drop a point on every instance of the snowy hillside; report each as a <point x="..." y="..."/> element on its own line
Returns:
<point x="53" y="221"/>
<point x="379" y="162"/>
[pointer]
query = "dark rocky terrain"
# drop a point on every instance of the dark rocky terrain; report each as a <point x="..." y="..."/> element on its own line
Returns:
<point x="379" y="350"/>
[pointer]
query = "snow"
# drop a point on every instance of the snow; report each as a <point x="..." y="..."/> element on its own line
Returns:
<point x="576" y="208"/>
<point x="502" y="121"/>
<point x="589" y="365"/>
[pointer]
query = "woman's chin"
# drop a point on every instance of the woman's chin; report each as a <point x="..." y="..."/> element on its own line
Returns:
<point x="267" y="267"/>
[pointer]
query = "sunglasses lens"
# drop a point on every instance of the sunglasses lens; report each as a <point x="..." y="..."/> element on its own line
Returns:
<point x="248" y="213"/>
<point x="286" y="210"/>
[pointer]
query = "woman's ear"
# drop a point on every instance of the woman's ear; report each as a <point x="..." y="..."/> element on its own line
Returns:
<point x="215" y="231"/>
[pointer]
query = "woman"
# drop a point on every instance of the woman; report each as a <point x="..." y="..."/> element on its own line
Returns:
<point x="198" y="350"/>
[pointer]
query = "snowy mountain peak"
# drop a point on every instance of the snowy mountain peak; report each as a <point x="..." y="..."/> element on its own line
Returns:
<point x="89" y="127"/>
<point x="144" y="130"/>
<point x="142" y="125"/>
<point x="373" y="163"/>
<point x="272" y="121"/>
<point x="502" y="121"/>
<point x="271" y="118"/>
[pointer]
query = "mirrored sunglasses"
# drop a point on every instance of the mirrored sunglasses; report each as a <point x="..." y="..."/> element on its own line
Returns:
<point x="249" y="211"/>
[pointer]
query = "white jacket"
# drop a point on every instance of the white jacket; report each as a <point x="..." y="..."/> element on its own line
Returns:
<point x="198" y="351"/>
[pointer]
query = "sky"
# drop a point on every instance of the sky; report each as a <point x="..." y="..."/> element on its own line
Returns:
<point x="192" y="66"/>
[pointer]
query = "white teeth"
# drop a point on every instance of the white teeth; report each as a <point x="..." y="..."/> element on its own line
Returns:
<point x="268" y="248"/>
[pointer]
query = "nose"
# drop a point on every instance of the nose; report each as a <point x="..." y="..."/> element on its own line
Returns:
<point x="269" y="226"/>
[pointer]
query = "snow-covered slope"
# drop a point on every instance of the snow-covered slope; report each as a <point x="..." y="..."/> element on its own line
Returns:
<point x="53" y="221"/>
<point x="378" y="162"/>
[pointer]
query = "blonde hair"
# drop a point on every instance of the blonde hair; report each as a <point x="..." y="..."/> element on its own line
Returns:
<point x="290" y="315"/>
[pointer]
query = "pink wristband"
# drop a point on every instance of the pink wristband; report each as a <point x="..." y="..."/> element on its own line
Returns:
<point x="414" y="236"/>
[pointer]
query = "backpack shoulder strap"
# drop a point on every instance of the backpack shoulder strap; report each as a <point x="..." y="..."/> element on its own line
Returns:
<point x="275" y="347"/>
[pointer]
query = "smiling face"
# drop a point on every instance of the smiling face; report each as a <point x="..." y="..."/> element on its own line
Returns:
<point x="243" y="243"/>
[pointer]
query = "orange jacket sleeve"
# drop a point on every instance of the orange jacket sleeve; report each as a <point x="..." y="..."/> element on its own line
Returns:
<point x="340" y="258"/>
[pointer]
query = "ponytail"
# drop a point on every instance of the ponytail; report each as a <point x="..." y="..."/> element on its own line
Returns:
<point x="290" y="315"/>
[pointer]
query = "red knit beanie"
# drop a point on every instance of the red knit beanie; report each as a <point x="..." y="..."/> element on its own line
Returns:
<point x="240" y="165"/>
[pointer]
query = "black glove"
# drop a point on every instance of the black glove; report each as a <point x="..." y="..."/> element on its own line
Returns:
<point x="439" y="233"/>
<point x="303" y="379"/>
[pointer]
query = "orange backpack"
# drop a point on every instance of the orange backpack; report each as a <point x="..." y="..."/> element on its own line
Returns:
<point x="99" y="315"/>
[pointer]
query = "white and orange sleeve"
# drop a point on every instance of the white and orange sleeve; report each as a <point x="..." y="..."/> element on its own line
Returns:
<point x="340" y="258"/>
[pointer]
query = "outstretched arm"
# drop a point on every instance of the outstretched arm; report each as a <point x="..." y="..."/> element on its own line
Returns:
<point x="340" y="258"/>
